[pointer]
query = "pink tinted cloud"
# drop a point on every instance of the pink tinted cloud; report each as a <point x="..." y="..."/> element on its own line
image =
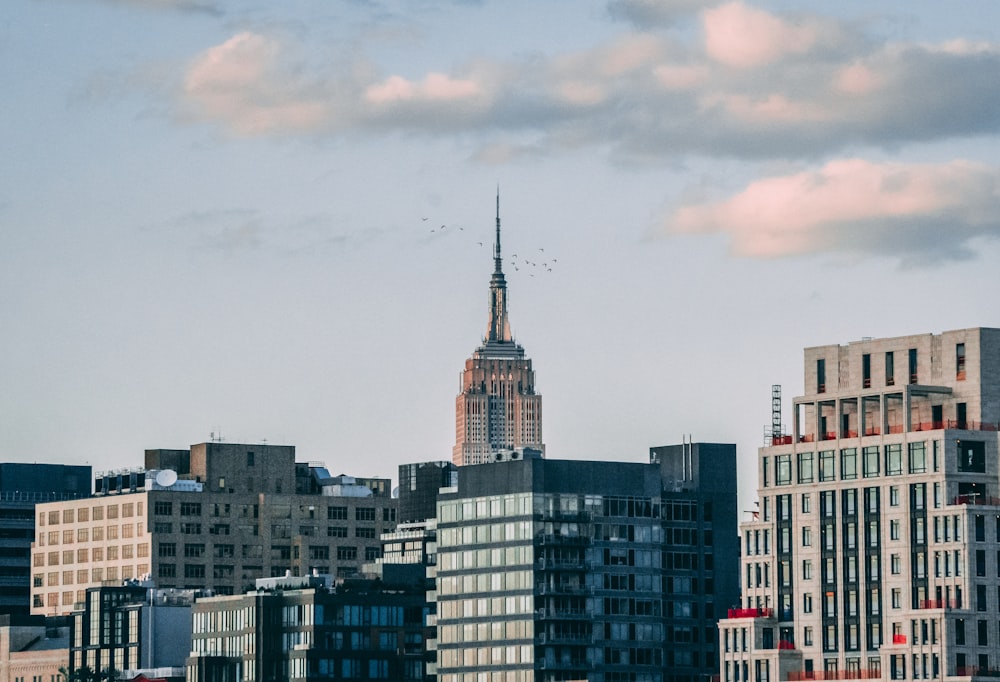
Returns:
<point x="242" y="83"/>
<point x="434" y="87"/>
<point x="744" y="37"/>
<point x="849" y="203"/>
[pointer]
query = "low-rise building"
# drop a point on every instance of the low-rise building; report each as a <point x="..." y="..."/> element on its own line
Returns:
<point x="217" y="517"/>
<point x="307" y="628"/>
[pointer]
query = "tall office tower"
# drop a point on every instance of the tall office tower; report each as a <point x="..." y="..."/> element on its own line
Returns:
<point x="552" y="570"/>
<point x="22" y="486"/>
<point x="497" y="411"/>
<point x="875" y="550"/>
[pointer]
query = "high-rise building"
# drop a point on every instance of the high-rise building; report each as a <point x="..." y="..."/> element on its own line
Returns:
<point x="216" y="517"/>
<point x="497" y="411"/>
<point x="22" y="486"/>
<point x="552" y="570"/>
<point x="875" y="550"/>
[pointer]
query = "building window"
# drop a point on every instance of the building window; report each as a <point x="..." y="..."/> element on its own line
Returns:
<point x="806" y="467"/>
<point x="782" y="470"/>
<point x="871" y="457"/>
<point x="848" y="464"/>
<point x="190" y="508"/>
<point x="866" y="370"/>
<point x="971" y="456"/>
<point x="336" y="513"/>
<point x="364" y="514"/>
<point x="918" y="458"/>
<point x="894" y="459"/>
<point x="890" y="370"/>
<point x="163" y="508"/>
<point x="806" y="536"/>
<point x="806" y="503"/>
<point x="960" y="361"/>
<point x="167" y="571"/>
<point x="821" y="375"/>
<point x="194" y="570"/>
<point x="826" y="465"/>
<point x="346" y="553"/>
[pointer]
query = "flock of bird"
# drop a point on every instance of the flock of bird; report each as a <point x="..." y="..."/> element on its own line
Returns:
<point x="540" y="263"/>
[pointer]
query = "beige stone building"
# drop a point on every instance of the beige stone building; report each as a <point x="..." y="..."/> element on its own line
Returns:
<point x="875" y="552"/>
<point x="497" y="410"/>
<point x="217" y="516"/>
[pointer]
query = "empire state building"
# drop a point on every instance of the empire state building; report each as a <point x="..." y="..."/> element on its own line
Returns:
<point x="497" y="410"/>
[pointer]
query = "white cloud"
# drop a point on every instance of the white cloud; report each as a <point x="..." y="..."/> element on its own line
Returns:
<point x="792" y="87"/>
<point x="919" y="211"/>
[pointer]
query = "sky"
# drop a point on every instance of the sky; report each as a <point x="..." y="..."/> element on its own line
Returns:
<point x="272" y="222"/>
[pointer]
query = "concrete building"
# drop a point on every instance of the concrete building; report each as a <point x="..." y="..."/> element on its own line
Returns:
<point x="574" y="570"/>
<point x="132" y="629"/>
<point x="497" y="408"/>
<point x="36" y="651"/>
<point x="215" y="517"/>
<point x="875" y="552"/>
<point x="307" y="629"/>
<point x="22" y="486"/>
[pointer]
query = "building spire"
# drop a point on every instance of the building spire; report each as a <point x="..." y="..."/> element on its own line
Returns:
<point x="499" y="328"/>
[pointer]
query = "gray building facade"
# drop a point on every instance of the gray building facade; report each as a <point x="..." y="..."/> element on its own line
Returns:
<point x="575" y="570"/>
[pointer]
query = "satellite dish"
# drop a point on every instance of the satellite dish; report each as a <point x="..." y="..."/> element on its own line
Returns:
<point x="166" y="478"/>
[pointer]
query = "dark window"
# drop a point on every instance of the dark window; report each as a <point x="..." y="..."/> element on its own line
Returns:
<point x="347" y="553"/>
<point x="167" y="571"/>
<point x="972" y="456"/>
<point x="194" y="571"/>
<point x="364" y="514"/>
<point x="337" y="513"/>
<point x="821" y="376"/>
<point x="913" y="365"/>
<point x="163" y="508"/>
<point x="866" y="370"/>
<point x="960" y="361"/>
<point x="167" y="549"/>
<point x="890" y="370"/>
<point x="250" y="458"/>
<point x="190" y="508"/>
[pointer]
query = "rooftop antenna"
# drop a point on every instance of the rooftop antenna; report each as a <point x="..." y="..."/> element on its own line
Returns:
<point x="496" y="248"/>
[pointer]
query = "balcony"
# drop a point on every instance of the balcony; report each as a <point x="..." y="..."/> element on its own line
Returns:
<point x="798" y="675"/>
<point x="750" y="613"/>
<point x="935" y="604"/>
<point x="975" y="671"/>
<point x="975" y="498"/>
<point x="556" y="613"/>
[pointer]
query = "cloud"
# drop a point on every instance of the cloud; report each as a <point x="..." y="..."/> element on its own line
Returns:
<point x="197" y="6"/>
<point x="793" y="87"/>
<point x="923" y="212"/>
<point x="742" y="37"/>
<point x="648" y="14"/>
<point x="244" y="83"/>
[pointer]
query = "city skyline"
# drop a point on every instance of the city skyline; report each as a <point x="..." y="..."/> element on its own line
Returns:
<point x="266" y="223"/>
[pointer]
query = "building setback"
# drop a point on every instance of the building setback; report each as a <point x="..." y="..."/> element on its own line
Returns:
<point x="301" y="629"/>
<point x="497" y="410"/>
<point x="876" y="549"/>
<point x="575" y="570"/>
<point x="216" y="517"/>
